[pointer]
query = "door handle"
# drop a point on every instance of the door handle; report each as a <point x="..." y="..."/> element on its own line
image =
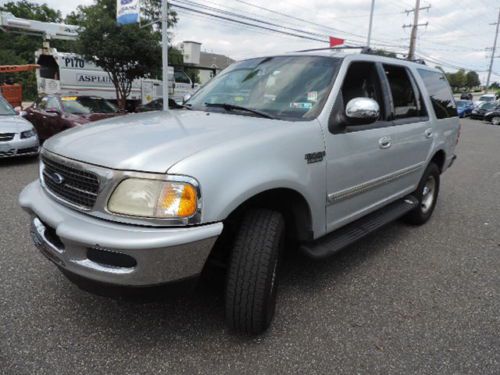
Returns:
<point x="385" y="142"/>
<point x="428" y="133"/>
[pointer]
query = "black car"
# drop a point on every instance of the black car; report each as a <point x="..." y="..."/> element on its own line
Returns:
<point x="493" y="116"/>
<point x="466" y="96"/>
<point x="484" y="108"/>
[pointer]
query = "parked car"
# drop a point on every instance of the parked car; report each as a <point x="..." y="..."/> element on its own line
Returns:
<point x="486" y="98"/>
<point x="479" y="112"/>
<point x="322" y="149"/>
<point x="52" y="114"/>
<point x="493" y="116"/>
<point x="464" y="108"/>
<point x="17" y="136"/>
<point x="466" y="96"/>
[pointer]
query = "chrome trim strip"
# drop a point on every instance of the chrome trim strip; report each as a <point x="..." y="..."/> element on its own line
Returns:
<point x="365" y="186"/>
<point x="109" y="179"/>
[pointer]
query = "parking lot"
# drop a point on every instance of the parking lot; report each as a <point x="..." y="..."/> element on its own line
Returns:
<point x="405" y="300"/>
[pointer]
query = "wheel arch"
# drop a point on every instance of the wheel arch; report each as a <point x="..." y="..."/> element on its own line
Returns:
<point x="291" y="203"/>
<point x="439" y="158"/>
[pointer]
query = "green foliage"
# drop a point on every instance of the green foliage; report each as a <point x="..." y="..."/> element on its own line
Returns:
<point x="125" y="52"/>
<point x="463" y="80"/>
<point x="472" y="79"/>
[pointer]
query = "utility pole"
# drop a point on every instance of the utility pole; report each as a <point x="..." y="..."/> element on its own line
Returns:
<point x="493" y="52"/>
<point x="370" y="25"/>
<point x="164" y="45"/>
<point x="414" y="27"/>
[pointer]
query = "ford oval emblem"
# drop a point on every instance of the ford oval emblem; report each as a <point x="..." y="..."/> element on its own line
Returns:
<point x="57" y="178"/>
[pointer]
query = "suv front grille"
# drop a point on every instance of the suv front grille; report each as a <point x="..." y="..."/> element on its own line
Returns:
<point x="72" y="185"/>
<point x="5" y="137"/>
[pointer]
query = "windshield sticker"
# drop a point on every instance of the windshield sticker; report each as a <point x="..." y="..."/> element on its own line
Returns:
<point x="239" y="99"/>
<point x="69" y="98"/>
<point x="312" y="96"/>
<point x="301" y="105"/>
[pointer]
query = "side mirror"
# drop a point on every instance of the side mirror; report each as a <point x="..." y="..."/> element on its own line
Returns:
<point x="362" y="111"/>
<point x="186" y="98"/>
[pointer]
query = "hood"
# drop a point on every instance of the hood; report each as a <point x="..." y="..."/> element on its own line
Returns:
<point x="153" y="141"/>
<point x="14" y="124"/>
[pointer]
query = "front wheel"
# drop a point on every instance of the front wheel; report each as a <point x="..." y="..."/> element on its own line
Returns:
<point x="252" y="276"/>
<point x="427" y="193"/>
<point x="495" y="120"/>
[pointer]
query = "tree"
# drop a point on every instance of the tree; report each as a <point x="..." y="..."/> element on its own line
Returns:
<point x="125" y="52"/>
<point x="472" y="79"/>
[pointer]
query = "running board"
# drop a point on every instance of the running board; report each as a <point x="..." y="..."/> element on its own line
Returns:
<point x="346" y="235"/>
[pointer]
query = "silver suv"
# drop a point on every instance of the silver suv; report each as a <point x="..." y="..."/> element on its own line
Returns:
<point x="316" y="148"/>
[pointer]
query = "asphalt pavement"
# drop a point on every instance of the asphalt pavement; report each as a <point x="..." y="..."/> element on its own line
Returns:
<point x="406" y="300"/>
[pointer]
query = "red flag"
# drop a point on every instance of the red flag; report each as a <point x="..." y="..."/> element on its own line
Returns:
<point x="336" y="41"/>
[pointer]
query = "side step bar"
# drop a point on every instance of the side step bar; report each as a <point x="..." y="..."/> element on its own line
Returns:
<point x="346" y="235"/>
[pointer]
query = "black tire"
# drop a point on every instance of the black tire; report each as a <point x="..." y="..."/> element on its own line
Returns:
<point x="422" y="213"/>
<point x="252" y="280"/>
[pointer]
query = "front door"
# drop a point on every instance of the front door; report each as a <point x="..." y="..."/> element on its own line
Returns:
<point x="363" y="164"/>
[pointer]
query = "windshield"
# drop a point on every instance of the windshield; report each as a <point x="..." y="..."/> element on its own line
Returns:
<point x="86" y="105"/>
<point x="284" y="87"/>
<point x="5" y="108"/>
<point x="486" y="98"/>
<point x="462" y="103"/>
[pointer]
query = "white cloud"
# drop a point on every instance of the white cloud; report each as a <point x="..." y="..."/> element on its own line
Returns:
<point x="457" y="35"/>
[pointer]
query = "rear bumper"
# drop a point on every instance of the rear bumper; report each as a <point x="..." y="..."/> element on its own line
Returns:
<point x="19" y="147"/>
<point x="113" y="253"/>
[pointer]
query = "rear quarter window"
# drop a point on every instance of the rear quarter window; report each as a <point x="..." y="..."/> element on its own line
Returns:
<point x="439" y="90"/>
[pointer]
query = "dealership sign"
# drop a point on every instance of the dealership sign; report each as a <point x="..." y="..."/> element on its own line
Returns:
<point x="127" y="11"/>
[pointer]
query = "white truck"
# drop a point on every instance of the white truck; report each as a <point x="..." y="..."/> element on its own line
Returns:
<point x="69" y="74"/>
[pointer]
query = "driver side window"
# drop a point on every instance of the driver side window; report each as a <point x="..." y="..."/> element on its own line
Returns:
<point x="53" y="104"/>
<point x="362" y="81"/>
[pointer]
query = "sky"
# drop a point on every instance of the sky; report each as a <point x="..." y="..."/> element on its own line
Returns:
<point x="457" y="34"/>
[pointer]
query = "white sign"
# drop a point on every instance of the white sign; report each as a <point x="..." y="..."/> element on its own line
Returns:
<point x="127" y="11"/>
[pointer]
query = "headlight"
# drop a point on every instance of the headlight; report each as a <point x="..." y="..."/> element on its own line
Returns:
<point x="28" y="134"/>
<point x="154" y="198"/>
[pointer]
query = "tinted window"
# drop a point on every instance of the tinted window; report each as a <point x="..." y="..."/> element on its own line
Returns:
<point x="407" y="101"/>
<point x="362" y="81"/>
<point x="181" y="77"/>
<point x="86" y="105"/>
<point x="53" y="104"/>
<point x="440" y="93"/>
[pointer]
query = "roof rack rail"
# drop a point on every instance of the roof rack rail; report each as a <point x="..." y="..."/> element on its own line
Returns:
<point x="363" y="49"/>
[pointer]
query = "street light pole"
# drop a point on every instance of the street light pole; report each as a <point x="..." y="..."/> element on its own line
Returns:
<point x="370" y="25"/>
<point x="164" y="45"/>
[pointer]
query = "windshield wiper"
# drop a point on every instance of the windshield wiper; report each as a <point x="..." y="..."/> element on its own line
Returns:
<point x="231" y="107"/>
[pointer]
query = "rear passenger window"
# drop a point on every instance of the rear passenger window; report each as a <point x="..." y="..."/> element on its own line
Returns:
<point x="405" y="94"/>
<point x="440" y="93"/>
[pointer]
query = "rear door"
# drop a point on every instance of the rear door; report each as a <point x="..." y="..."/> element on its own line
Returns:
<point x="413" y="133"/>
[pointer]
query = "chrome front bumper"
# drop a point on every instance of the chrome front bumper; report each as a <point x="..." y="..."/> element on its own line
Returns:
<point x="152" y="256"/>
<point x="19" y="147"/>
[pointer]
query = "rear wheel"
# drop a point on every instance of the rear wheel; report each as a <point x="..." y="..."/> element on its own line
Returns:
<point x="427" y="193"/>
<point x="252" y="277"/>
